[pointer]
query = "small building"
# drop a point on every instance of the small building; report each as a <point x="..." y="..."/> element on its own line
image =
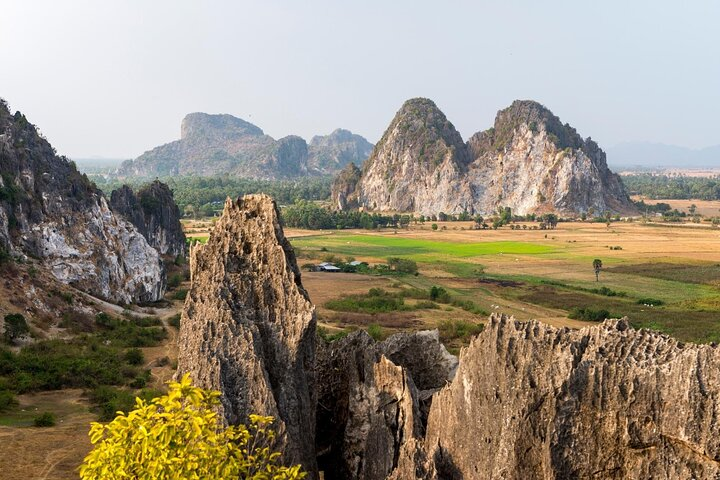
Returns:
<point x="327" y="267"/>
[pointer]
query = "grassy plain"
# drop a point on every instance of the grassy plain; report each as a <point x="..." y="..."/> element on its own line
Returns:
<point x="665" y="278"/>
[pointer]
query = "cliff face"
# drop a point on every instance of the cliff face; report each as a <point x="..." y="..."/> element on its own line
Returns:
<point x="418" y="165"/>
<point x="344" y="188"/>
<point x="533" y="401"/>
<point x="531" y="162"/>
<point x="223" y="144"/>
<point x="331" y="153"/>
<point x="154" y="213"/>
<point x="50" y="211"/>
<point x="528" y="161"/>
<point x="248" y="327"/>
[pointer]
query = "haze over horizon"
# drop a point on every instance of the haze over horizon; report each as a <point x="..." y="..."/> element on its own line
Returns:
<point x="115" y="79"/>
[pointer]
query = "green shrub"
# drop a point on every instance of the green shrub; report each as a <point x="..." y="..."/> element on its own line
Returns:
<point x="656" y="302"/>
<point x="367" y="304"/>
<point x="7" y="399"/>
<point x="174" y="281"/>
<point x="427" y="305"/>
<point x="589" y="314"/>
<point x="331" y="337"/>
<point x="469" y="306"/>
<point x="458" y="329"/>
<point x="15" y="327"/>
<point x="376" y="331"/>
<point x="439" y="294"/>
<point x="180" y="294"/>
<point x="134" y="356"/>
<point x="174" y="321"/>
<point x="45" y="419"/>
<point x="402" y="265"/>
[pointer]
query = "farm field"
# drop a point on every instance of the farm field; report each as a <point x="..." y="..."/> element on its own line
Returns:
<point x="664" y="278"/>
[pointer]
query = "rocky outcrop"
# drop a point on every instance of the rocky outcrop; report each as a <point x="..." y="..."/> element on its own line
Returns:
<point x="533" y="401"/>
<point x="248" y="327"/>
<point x="222" y="144"/>
<point x="371" y="412"/>
<point x="529" y="161"/>
<point x="50" y="211"/>
<point x="344" y="188"/>
<point x="154" y="213"/>
<point x="329" y="154"/>
<point x="419" y="165"/>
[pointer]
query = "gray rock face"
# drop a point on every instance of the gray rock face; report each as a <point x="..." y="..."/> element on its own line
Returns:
<point x="531" y="162"/>
<point x="52" y="212"/>
<point x="528" y="161"/>
<point x="222" y="144"/>
<point x="331" y="153"/>
<point x="533" y="401"/>
<point x="154" y="213"/>
<point x="248" y="327"/>
<point x="370" y="418"/>
<point x="344" y="188"/>
<point x="419" y="165"/>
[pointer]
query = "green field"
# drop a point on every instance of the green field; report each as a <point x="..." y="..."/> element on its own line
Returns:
<point x="384" y="246"/>
<point x="546" y="280"/>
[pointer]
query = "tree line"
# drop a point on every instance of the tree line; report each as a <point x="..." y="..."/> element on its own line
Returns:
<point x="679" y="188"/>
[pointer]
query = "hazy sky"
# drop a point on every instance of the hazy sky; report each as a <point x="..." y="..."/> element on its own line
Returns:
<point x="115" y="78"/>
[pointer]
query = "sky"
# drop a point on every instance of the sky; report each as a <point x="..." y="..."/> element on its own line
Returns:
<point x="115" y="78"/>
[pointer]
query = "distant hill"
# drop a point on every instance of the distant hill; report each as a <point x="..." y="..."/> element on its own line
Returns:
<point x="212" y="145"/>
<point x="528" y="161"/>
<point x="651" y="155"/>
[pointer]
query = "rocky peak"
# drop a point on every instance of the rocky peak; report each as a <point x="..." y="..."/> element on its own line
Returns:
<point x="418" y="164"/>
<point x="51" y="211"/>
<point x="333" y="152"/>
<point x="344" y="188"/>
<point x="248" y="327"/>
<point x="207" y="127"/>
<point x="154" y="213"/>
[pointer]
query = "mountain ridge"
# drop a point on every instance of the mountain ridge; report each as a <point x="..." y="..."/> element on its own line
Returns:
<point x="528" y="160"/>
<point x="221" y="144"/>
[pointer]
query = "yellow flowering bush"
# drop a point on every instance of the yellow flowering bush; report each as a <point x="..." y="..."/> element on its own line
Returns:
<point x="179" y="436"/>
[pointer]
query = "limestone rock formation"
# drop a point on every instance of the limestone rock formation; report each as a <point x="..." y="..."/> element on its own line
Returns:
<point x="50" y="211"/>
<point x="154" y="213"/>
<point x="370" y="421"/>
<point x="248" y="327"/>
<point x="419" y="165"/>
<point x="531" y="162"/>
<point x="533" y="401"/>
<point x="528" y="161"/>
<point x="223" y="144"/>
<point x="331" y="153"/>
<point x="344" y="188"/>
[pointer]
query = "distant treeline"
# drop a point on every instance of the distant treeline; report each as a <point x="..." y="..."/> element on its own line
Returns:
<point x="206" y="195"/>
<point x="304" y="214"/>
<point x="680" y="188"/>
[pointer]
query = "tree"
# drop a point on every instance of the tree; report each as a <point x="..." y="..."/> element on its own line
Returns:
<point x="434" y="226"/>
<point x="692" y="209"/>
<point x="15" y="327"/>
<point x="179" y="435"/>
<point x="597" y="265"/>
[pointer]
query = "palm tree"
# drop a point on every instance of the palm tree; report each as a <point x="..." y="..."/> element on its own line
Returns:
<point x="597" y="265"/>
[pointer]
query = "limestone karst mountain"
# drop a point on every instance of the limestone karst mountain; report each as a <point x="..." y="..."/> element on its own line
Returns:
<point x="154" y="213"/>
<point x="49" y="211"/>
<point x="528" y="161"/>
<point x="223" y="144"/>
<point x="524" y="400"/>
<point x="248" y="327"/>
<point x="329" y="154"/>
<point x="419" y="165"/>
